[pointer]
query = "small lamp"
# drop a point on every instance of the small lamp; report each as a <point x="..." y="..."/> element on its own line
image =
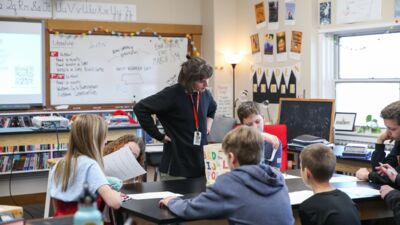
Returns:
<point x="233" y="59"/>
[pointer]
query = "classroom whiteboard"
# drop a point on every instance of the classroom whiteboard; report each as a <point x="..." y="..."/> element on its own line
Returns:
<point x="104" y="69"/>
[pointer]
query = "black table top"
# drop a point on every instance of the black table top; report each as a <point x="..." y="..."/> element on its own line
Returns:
<point x="149" y="209"/>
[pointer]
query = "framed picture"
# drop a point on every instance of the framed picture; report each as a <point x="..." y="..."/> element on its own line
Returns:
<point x="344" y="121"/>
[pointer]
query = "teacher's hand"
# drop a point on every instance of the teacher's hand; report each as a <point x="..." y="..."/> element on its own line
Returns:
<point x="166" y="139"/>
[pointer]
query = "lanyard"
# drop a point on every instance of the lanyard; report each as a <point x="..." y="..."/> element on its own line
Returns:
<point x="196" y="109"/>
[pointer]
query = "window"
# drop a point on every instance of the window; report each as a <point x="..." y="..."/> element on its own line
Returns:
<point x="367" y="74"/>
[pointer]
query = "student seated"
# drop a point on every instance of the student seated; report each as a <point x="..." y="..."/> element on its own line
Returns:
<point x="390" y="195"/>
<point x="328" y="205"/>
<point x="252" y="193"/>
<point x="250" y="115"/>
<point x="134" y="143"/>
<point x="391" y="118"/>
<point x="82" y="163"/>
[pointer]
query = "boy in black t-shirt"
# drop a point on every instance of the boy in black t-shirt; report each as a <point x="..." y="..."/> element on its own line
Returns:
<point x="328" y="206"/>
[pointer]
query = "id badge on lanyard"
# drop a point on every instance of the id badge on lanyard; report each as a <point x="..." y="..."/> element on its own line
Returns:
<point x="197" y="138"/>
<point x="197" y="133"/>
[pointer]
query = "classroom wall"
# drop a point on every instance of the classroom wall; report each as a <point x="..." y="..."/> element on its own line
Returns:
<point x="307" y="21"/>
<point x="165" y="11"/>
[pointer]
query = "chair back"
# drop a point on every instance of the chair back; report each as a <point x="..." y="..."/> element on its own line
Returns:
<point x="221" y="126"/>
<point x="280" y="130"/>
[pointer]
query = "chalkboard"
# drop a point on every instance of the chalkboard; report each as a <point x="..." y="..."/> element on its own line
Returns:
<point x="107" y="69"/>
<point x="307" y="116"/>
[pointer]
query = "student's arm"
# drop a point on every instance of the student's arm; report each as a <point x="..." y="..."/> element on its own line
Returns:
<point x="158" y="103"/>
<point x="210" y="204"/>
<point x="392" y="199"/>
<point x="378" y="156"/>
<point x="98" y="183"/>
<point x="111" y="198"/>
<point x="272" y="139"/>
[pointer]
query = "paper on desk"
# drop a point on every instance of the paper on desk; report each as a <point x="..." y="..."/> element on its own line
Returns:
<point x="122" y="164"/>
<point x="288" y="176"/>
<point x="297" y="197"/>
<point x="151" y="195"/>
<point x="339" y="179"/>
<point x="154" y="148"/>
<point x="359" y="192"/>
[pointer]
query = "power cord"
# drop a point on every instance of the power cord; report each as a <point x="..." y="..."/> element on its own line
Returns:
<point x="9" y="186"/>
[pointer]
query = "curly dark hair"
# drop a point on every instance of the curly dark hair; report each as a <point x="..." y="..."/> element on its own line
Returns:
<point x="194" y="69"/>
<point x="120" y="142"/>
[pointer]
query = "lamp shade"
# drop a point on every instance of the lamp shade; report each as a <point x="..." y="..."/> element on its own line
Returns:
<point x="233" y="58"/>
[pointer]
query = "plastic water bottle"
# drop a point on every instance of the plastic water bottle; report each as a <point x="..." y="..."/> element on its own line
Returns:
<point x="87" y="214"/>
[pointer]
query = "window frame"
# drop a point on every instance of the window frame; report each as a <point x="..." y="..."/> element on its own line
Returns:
<point x="336" y="60"/>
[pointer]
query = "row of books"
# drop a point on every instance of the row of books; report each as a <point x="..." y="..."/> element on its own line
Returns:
<point x="27" y="162"/>
<point x="34" y="147"/>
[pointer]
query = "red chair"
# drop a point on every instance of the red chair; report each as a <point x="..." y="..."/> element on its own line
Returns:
<point x="280" y="130"/>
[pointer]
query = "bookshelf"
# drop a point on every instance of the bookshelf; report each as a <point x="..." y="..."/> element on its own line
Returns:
<point x="29" y="149"/>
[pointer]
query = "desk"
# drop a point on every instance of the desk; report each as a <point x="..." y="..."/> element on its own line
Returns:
<point x="369" y="207"/>
<point x="346" y="165"/>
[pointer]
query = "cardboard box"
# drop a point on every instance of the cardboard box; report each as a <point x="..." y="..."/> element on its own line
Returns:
<point x="15" y="211"/>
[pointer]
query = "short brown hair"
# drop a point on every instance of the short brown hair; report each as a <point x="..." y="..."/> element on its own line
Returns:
<point x="246" y="109"/>
<point x="392" y="112"/>
<point x="320" y="160"/>
<point x="246" y="143"/>
<point x="194" y="69"/>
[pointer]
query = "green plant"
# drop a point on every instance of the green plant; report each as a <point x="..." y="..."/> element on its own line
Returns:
<point x="371" y="125"/>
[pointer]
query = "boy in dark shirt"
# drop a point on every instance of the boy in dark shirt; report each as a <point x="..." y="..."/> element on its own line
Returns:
<point x="328" y="206"/>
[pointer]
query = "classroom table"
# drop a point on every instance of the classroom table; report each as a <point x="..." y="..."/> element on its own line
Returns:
<point x="370" y="207"/>
<point x="343" y="164"/>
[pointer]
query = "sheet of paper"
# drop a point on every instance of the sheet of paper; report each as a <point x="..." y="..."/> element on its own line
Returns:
<point x="154" y="148"/>
<point x="152" y="195"/>
<point x="122" y="164"/>
<point x="358" y="192"/>
<point x="288" y="176"/>
<point x="339" y="179"/>
<point x="298" y="197"/>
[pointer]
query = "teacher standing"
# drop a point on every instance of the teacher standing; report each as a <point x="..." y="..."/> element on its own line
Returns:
<point x="186" y="111"/>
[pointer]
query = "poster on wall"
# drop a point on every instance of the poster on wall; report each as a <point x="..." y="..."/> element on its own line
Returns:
<point x="397" y="9"/>
<point x="324" y="13"/>
<point x="273" y="16"/>
<point x="269" y="48"/>
<point x="281" y="53"/>
<point x="273" y="83"/>
<point x="350" y="11"/>
<point x="260" y="15"/>
<point x="255" y="48"/>
<point x="224" y="99"/>
<point x="290" y="12"/>
<point x="295" y="45"/>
